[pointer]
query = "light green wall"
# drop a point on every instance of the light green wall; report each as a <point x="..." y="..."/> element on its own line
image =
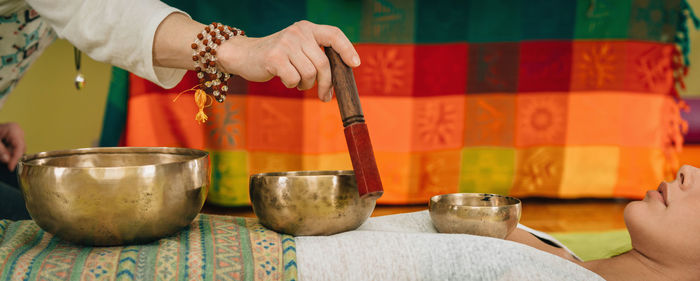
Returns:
<point x="693" y="79"/>
<point x="53" y="114"/>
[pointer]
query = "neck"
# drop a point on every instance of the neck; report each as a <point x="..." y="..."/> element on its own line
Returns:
<point x="634" y="265"/>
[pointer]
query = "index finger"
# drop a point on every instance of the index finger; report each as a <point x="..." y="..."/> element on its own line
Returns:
<point x="18" y="149"/>
<point x="331" y="36"/>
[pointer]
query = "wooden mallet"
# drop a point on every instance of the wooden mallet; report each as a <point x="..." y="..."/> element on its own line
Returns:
<point x="356" y="134"/>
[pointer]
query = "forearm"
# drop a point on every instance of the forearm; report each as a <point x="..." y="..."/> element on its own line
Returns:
<point x="171" y="44"/>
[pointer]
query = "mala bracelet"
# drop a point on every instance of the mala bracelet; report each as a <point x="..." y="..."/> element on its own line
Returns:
<point x="211" y="80"/>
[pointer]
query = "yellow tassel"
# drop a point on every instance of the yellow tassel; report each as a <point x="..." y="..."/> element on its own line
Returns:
<point x="200" y="99"/>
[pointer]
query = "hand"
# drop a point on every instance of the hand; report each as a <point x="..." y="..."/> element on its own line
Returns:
<point x="293" y="54"/>
<point x="11" y="145"/>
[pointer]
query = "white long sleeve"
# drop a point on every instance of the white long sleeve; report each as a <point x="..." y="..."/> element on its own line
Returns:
<point x="119" y="32"/>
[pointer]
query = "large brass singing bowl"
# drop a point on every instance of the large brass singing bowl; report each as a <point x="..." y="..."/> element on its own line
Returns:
<point x="114" y="196"/>
<point x="309" y="203"/>
<point x="475" y="213"/>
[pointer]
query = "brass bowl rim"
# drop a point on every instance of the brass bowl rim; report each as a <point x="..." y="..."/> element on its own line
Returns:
<point x="434" y="200"/>
<point x="195" y="153"/>
<point x="302" y="174"/>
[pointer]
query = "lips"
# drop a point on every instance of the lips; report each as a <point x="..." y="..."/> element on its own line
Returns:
<point x="663" y="191"/>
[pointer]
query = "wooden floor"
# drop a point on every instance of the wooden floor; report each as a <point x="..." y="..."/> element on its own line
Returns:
<point x="547" y="215"/>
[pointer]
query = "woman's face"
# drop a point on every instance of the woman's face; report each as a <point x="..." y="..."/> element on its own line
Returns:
<point x="665" y="226"/>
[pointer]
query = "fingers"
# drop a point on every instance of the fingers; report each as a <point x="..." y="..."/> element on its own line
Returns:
<point x="18" y="149"/>
<point x="323" y="71"/>
<point x="287" y="73"/>
<point x="331" y="36"/>
<point x="305" y="69"/>
<point x="5" y="155"/>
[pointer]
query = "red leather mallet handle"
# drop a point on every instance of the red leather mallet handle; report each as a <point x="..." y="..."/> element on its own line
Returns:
<point x="356" y="134"/>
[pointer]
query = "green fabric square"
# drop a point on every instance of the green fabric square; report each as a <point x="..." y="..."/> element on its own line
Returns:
<point x="494" y="21"/>
<point x="654" y="20"/>
<point x="440" y="21"/>
<point x="229" y="180"/>
<point x="345" y="14"/>
<point x="602" y="19"/>
<point x="387" y="21"/>
<point x="256" y="17"/>
<point x="543" y="19"/>
<point x="487" y="170"/>
<point x="596" y="245"/>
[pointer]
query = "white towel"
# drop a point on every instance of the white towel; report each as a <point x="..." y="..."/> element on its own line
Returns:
<point x="406" y="247"/>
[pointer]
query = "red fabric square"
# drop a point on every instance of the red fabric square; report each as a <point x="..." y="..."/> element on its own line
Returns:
<point x="440" y="69"/>
<point x="493" y="67"/>
<point x="386" y="70"/>
<point x="545" y="66"/>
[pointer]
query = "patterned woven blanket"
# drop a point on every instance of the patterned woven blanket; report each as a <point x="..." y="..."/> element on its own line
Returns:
<point x="211" y="248"/>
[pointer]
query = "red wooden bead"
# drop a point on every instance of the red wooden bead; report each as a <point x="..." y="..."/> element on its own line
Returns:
<point x="198" y="69"/>
<point x="200" y="36"/>
<point x="235" y="32"/>
<point x="225" y="36"/>
<point x="195" y="58"/>
<point x="213" y="33"/>
<point x="212" y="63"/>
<point x="194" y="46"/>
<point x="242" y="33"/>
<point x="205" y="42"/>
<point x="207" y="48"/>
<point x="213" y="52"/>
<point x="207" y="29"/>
<point x="202" y="53"/>
<point x="217" y="41"/>
<point x="221" y="28"/>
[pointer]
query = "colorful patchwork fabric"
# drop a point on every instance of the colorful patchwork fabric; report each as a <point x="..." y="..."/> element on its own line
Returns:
<point x="529" y="98"/>
<point x="211" y="248"/>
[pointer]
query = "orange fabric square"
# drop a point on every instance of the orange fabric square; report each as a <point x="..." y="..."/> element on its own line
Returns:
<point x="335" y="161"/>
<point x="386" y="70"/>
<point x="226" y="127"/>
<point x="395" y="172"/>
<point x="388" y="121"/>
<point x="640" y="169"/>
<point x="489" y="120"/>
<point x="434" y="173"/>
<point x="268" y="162"/>
<point x="155" y="120"/>
<point x="538" y="171"/>
<point x="540" y="119"/>
<point x="323" y="127"/>
<point x="599" y="65"/>
<point x="589" y="171"/>
<point x="274" y="124"/>
<point x="438" y="123"/>
<point x="614" y="118"/>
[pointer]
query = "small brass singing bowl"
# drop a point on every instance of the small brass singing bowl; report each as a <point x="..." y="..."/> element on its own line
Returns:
<point x="309" y="202"/>
<point x="475" y="213"/>
<point x="114" y="196"/>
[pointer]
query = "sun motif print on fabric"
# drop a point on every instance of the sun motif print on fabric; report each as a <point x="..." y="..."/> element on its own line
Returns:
<point x="598" y="66"/>
<point x="224" y="125"/>
<point x="654" y="69"/>
<point x="437" y="123"/>
<point x="386" y="70"/>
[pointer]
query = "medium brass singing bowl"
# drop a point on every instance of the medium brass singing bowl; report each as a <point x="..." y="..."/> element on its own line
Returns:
<point x="114" y="196"/>
<point x="475" y="213"/>
<point x="309" y="202"/>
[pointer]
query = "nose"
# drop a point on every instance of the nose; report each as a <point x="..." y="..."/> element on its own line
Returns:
<point x="687" y="175"/>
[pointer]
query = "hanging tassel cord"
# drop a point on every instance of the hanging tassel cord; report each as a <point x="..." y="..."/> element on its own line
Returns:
<point x="201" y="99"/>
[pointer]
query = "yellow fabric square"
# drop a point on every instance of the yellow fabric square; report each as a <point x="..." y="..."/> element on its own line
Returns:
<point x="589" y="171"/>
